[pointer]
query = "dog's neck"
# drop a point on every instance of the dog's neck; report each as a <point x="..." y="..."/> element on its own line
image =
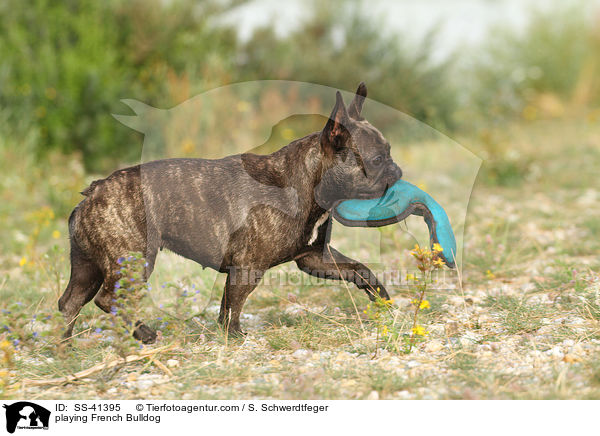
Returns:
<point x="299" y="165"/>
<point x="307" y="161"/>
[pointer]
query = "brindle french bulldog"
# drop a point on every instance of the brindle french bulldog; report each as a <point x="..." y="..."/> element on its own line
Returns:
<point x="239" y="215"/>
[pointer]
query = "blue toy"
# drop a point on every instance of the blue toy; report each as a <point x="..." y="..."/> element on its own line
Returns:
<point x="400" y="201"/>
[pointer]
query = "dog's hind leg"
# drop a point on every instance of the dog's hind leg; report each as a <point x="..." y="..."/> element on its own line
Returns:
<point x="86" y="279"/>
<point x="107" y="297"/>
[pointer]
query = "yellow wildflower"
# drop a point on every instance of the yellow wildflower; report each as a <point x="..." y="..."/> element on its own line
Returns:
<point x="437" y="247"/>
<point x="419" y="330"/>
<point x="410" y="277"/>
<point x="56" y="234"/>
<point x="489" y="274"/>
<point x="424" y="304"/>
<point x="23" y="261"/>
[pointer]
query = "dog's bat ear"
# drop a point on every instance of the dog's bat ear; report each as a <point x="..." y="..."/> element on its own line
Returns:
<point x="335" y="133"/>
<point x="356" y="106"/>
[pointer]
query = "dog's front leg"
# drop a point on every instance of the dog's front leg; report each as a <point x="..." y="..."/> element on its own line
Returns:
<point x="240" y="283"/>
<point x="326" y="262"/>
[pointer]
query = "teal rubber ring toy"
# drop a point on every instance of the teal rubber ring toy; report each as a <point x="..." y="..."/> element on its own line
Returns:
<point x="401" y="200"/>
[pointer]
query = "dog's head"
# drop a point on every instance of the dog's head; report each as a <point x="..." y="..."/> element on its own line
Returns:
<point x="357" y="162"/>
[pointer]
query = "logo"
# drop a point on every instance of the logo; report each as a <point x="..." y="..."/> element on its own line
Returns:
<point x="26" y="415"/>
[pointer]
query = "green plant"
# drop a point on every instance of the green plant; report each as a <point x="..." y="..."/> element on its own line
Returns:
<point x="64" y="79"/>
<point x="386" y="323"/>
<point x="534" y="72"/>
<point x="427" y="262"/>
<point x="379" y="313"/>
<point x="518" y="314"/>
<point x="346" y="47"/>
<point x="503" y="163"/>
<point x="127" y="310"/>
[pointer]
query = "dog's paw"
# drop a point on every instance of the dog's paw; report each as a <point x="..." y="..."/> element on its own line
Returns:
<point x="145" y="334"/>
<point x="237" y="334"/>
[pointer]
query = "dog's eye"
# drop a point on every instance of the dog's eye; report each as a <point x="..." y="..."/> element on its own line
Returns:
<point x="378" y="160"/>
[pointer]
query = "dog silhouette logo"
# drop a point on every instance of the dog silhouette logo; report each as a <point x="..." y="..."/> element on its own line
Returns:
<point x="26" y="415"/>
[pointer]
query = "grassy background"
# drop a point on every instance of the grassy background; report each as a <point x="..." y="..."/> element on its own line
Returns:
<point x="522" y="321"/>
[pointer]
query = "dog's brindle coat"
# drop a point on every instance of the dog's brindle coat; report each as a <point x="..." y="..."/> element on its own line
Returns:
<point x="240" y="215"/>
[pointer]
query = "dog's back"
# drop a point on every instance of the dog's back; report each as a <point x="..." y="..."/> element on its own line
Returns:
<point x="191" y="206"/>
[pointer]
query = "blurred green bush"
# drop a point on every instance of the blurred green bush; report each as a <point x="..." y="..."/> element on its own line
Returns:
<point x="340" y="47"/>
<point x="65" y="66"/>
<point x="549" y="69"/>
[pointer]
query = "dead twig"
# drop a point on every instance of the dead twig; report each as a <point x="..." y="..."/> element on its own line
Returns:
<point x="97" y="368"/>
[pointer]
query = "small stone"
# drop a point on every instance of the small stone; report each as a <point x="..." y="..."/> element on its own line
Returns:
<point x="146" y="381"/>
<point x="472" y="336"/>
<point x="436" y="329"/>
<point x="536" y="353"/>
<point x="546" y="330"/>
<point x="172" y="363"/>
<point x="434" y="346"/>
<point x="348" y="383"/>
<point x="402" y="302"/>
<point x="456" y="300"/>
<point x="578" y="349"/>
<point x="374" y="395"/>
<point x="301" y="353"/>
<point x="571" y="358"/>
<point x="144" y="385"/>
<point x="294" y="309"/>
<point x="404" y="395"/>
<point x="452" y="328"/>
<point x="485" y="319"/>
<point x="465" y="342"/>
<point x="555" y="352"/>
<point x="341" y="356"/>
